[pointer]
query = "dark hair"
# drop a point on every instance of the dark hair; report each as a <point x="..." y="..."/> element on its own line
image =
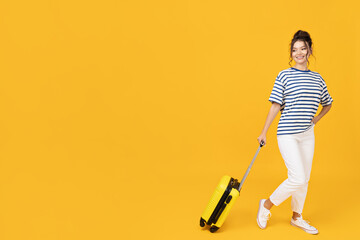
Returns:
<point x="301" y="36"/>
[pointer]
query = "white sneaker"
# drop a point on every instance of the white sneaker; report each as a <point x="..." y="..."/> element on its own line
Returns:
<point x="304" y="225"/>
<point x="263" y="215"/>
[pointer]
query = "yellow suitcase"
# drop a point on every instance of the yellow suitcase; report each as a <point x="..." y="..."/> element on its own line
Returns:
<point x="222" y="200"/>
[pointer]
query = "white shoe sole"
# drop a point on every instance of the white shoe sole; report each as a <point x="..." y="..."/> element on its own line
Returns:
<point x="304" y="229"/>
<point x="257" y="218"/>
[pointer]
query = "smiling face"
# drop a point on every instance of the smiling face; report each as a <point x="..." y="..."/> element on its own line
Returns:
<point x="300" y="53"/>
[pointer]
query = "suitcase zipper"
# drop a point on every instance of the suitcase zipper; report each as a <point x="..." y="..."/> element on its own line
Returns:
<point x="221" y="204"/>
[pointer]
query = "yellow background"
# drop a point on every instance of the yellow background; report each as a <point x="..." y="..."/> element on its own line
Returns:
<point x="118" y="118"/>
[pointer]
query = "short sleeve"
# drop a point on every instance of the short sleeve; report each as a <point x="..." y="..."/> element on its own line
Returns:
<point x="277" y="93"/>
<point x="325" y="99"/>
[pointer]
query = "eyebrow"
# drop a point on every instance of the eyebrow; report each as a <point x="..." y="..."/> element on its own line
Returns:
<point x="300" y="47"/>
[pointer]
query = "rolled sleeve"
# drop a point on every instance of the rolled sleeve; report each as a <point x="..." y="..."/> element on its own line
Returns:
<point x="277" y="93"/>
<point x="326" y="99"/>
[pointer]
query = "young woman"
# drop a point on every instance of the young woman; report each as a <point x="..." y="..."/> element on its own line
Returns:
<point x="297" y="93"/>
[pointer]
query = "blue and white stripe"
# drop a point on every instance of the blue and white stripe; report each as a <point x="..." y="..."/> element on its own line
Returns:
<point x="299" y="93"/>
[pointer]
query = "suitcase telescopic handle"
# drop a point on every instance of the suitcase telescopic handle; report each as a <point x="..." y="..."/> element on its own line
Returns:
<point x="252" y="162"/>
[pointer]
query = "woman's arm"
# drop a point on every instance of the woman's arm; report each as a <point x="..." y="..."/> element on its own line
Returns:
<point x="274" y="109"/>
<point x="322" y="113"/>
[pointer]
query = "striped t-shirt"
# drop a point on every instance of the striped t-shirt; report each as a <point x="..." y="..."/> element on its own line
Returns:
<point x="299" y="93"/>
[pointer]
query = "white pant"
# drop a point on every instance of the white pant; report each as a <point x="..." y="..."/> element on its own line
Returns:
<point x="297" y="151"/>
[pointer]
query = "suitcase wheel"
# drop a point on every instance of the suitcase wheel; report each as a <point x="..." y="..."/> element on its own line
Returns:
<point x="202" y="222"/>
<point x="213" y="229"/>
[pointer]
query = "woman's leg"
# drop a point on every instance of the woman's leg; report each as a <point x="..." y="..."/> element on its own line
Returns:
<point x="306" y="146"/>
<point x="291" y="153"/>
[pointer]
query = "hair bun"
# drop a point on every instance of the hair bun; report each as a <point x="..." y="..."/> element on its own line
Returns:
<point x="303" y="35"/>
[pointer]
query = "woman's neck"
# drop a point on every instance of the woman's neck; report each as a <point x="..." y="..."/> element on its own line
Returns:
<point x="301" y="67"/>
